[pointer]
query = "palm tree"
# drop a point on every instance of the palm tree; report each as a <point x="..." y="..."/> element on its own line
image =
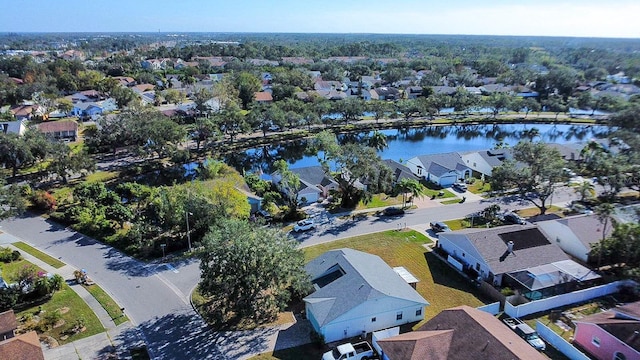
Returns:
<point x="410" y="186"/>
<point x="585" y="189"/>
<point x="378" y="141"/>
<point x="604" y="212"/>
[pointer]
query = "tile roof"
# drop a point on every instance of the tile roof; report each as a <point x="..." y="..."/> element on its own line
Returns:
<point x="531" y="247"/>
<point x="363" y="277"/>
<point x="22" y="347"/>
<point x="460" y="333"/>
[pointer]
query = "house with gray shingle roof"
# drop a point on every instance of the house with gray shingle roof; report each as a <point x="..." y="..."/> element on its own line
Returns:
<point x="314" y="183"/>
<point x="483" y="161"/>
<point x="358" y="293"/>
<point x="441" y="169"/>
<point x="577" y="234"/>
<point x="518" y="256"/>
<point x="399" y="171"/>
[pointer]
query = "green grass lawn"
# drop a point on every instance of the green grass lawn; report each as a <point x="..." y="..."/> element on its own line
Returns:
<point x="70" y="305"/>
<point x="440" y="286"/>
<point x="450" y="202"/>
<point x="39" y="254"/>
<point x="101" y="176"/>
<point x="478" y="187"/>
<point x="380" y="200"/>
<point x="434" y="192"/>
<point x="533" y="211"/>
<point x="107" y="303"/>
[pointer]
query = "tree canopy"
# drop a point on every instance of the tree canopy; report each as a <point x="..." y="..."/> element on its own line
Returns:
<point x="250" y="272"/>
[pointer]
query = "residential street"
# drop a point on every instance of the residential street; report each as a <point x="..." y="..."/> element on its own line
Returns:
<point x="156" y="295"/>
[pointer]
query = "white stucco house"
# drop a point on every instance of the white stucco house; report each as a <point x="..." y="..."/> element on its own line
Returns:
<point x="358" y="293"/>
<point x="442" y="169"/>
<point x="576" y="235"/>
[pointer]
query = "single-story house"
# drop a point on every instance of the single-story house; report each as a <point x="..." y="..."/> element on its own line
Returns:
<point x="577" y="234"/>
<point x="459" y="333"/>
<point x="314" y="183"/>
<point x="611" y="334"/>
<point x="387" y="93"/>
<point x="92" y="109"/>
<point x="518" y="256"/>
<point x="60" y="130"/>
<point x="26" y="112"/>
<point x="13" y="127"/>
<point x="357" y="293"/>
<point x="263" y="97"/>
<point x="483" y="161"/>
<point x="399" y="171"/>
<point x="441" y="169"/>
<point x="17" y="347"/>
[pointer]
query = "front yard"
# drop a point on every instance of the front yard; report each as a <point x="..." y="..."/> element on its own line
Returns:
<point x="55" y="319"/>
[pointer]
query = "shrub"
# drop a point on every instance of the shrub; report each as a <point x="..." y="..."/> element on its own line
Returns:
<point x="507" y="291"/>
<point x="7" y="256"/>
<point x="43" y="200"/>
<point x="51" y="318"/>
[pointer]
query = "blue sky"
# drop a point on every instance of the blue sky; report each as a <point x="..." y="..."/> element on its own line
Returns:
<point x="597" y="18"/>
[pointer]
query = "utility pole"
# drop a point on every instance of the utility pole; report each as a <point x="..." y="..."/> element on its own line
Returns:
<point x="188" y="232"/>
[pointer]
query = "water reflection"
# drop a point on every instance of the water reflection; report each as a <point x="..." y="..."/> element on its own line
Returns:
<point x="405" y="143"/>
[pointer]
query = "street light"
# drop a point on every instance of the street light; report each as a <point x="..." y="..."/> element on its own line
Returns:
<point x="188" y="232"/>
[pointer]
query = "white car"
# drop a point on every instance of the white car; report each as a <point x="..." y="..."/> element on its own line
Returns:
<point x="304" y="225"/>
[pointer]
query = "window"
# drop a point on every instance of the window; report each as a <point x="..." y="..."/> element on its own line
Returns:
<point x="619" y="356"/>
<point x="595" y="341"/>
<point x="477" y="266"/>
<point x="399" y="315"/>
<point x="462" y="254"/>
<point x="419" y="171"/>
<point x="373" y="319"/>
<point x="419" y="312"/>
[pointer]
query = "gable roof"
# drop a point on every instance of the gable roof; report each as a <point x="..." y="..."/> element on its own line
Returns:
<point x="585" y="228"/>
<point x="462" y="333"/>
<point x="22" y="347"/>
<point x="439" y="164"/>
<point x="399" y="171"/>
<point x="8" y="322"/>
<point x="531" y="247"/>
<point x="346" y="278"/>
<point x="263" y="96"/>
<point x="314" y="175"/>
<point x="622" y="322"/>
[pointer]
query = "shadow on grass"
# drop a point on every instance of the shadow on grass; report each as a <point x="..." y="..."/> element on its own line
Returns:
<point x="445" y="275"/>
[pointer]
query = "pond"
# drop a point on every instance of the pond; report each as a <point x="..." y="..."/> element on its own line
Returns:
<point x="406" y="143"/>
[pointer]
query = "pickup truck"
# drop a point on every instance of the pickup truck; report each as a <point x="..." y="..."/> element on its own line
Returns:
<point x="359" y="351"/>
<point x="526" y="332"/>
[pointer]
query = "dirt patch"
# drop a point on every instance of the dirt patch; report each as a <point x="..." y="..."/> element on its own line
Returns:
<point x="63" y="310"/>
<point x="49" y="341"/>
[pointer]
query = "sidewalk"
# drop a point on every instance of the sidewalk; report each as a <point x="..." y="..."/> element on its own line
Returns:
<point x="94" y="347"/>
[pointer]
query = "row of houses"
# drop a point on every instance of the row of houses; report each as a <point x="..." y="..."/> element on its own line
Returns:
<point x="356" y="293"/>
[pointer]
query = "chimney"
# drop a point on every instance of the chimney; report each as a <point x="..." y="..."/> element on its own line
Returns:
<point x="510" y="246"/>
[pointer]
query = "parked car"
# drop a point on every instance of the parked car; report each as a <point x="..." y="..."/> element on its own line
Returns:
<point x="511" y="218"/>
<point x="359" y="351"/>
<point x="393" y="211"/>
<point x="526" y="332"/>
<point x="304" y="225"/>
<point x="461" y="187"/>
<point x="439" y="226"/>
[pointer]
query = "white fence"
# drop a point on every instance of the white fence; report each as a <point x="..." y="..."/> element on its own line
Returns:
<point x="492" y="309"/>
<point x="564" y="299"/>
<point x="559" y="343"/>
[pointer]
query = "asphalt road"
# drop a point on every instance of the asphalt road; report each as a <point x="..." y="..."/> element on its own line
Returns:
<point x="156" y="295"/>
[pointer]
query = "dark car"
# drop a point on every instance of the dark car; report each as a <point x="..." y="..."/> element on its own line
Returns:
<point x="439" y="226"/>
<point x="512" y="218"/>
<point x="392" y="211"/>
<point x="461" y="187"/>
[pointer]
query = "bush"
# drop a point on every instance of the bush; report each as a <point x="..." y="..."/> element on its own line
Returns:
<point x="507" y="291"/>
<point x="7" y="256"/>
<point x="43" y="200"/>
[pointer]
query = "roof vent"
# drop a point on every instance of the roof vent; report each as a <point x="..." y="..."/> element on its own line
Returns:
<point x="510" y="246"/>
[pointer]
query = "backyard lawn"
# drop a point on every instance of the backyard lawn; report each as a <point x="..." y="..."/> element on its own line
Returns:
<point x="440" y="286"/>
<point x="71" y="308"/>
